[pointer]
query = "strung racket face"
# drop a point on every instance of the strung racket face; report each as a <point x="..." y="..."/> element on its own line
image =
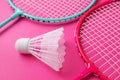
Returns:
<point x="50" y="10"/>
<point x="98" y="39"/>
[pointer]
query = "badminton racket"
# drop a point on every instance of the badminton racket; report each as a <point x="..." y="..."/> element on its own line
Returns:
<point x="50" y="11"/>
<point x="98" y="40"/>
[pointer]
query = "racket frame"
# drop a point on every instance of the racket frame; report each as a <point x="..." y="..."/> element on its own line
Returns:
<point x="51" y="19"/>
<point x="19" y="12"/>
<point x="91" y="68"/>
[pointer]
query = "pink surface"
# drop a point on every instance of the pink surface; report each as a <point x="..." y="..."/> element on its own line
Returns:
<point x="14" y="66"/>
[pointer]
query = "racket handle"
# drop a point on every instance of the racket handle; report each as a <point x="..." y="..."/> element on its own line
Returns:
<point x="85" y="73"/>
<point x="15" y="15"/>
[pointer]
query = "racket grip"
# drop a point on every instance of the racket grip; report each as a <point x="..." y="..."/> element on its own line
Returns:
<point x="16" y="14"/>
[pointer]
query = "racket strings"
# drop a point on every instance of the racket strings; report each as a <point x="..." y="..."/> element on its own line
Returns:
<point x="102" y="50"/>
<point x="103" y="29"/>
<point x="108" y="33"/>
<point x="97" y="38"/>
<point x="100" y="35"/>
<point x="108" y="52"/>
<point x="30" y="9"/>
<point x="51" y="8"/>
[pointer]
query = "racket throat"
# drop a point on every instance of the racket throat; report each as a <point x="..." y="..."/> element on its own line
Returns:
<point x="89" y="70"/>
<point x="12" y="17"/>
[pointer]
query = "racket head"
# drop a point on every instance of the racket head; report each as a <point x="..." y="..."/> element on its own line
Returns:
<point x="59" y="12"/>
<point x="98" y="46"/>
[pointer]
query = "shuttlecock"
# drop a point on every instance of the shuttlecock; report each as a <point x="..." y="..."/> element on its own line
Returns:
<point x="49" y="48"/>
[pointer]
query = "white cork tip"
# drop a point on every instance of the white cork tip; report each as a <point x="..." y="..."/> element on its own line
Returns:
<point x="21" y="45"/>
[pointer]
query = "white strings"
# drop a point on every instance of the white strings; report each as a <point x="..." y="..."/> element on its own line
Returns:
<point x="52" y="8"/>
<point x="100" y="38"/>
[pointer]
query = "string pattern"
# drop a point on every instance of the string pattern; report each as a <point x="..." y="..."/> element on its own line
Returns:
<point x="100" y="39"/>
<point x="51" y="8"/>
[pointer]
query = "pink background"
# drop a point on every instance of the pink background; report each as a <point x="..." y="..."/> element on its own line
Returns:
<point x="14" y="66"/>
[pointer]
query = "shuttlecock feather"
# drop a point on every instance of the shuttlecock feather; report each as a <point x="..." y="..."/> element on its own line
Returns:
<point x="49" y="48"/>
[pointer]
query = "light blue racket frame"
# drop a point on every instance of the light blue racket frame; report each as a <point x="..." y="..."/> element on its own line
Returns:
<point x="19" y="12"/>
